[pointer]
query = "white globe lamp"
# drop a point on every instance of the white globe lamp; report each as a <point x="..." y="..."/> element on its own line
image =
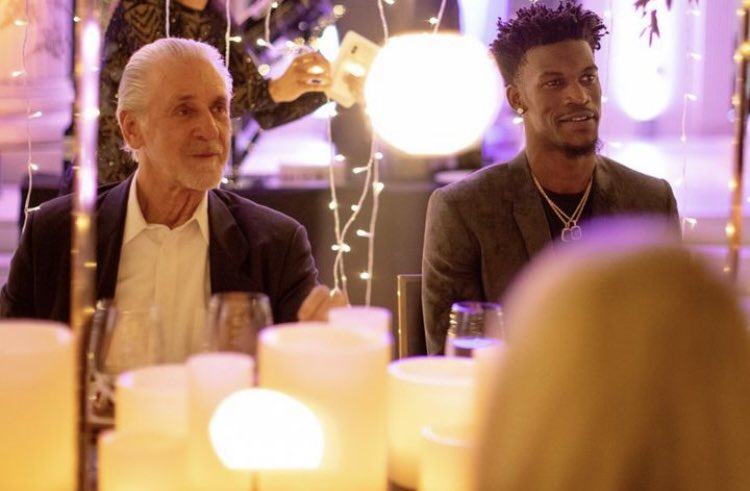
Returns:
<point x="432" y="94"/>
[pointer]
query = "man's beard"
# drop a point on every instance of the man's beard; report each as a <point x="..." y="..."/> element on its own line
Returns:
<point x="573" y="151"/>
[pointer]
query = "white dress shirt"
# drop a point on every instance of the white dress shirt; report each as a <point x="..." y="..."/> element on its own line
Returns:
<point x="166" y="268"/>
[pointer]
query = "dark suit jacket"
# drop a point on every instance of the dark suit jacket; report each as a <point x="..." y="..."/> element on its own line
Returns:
<point x="482" y="230"/>
<point x="251" y="248"/>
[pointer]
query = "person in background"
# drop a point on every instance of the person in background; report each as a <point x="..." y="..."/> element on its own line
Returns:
<point x="481" y="231"/>
<point x="166" y="236"/>
<point x="136" y="23"/>
<point x="628" y="367"/>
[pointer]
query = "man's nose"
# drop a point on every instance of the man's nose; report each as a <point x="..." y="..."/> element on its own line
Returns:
<point x="577" y="94"/>
<point x="207" y="127"/>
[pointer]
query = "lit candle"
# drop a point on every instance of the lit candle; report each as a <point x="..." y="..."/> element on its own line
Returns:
<point x="152" y="398"/>
<point x="38" y="416"/>
<point x="141" y="462"/>
<point x="211" y="378"/>
<point x="488" y="366"/>
<point x="424" y="391"/>
<point x="340" y="374"/>
<point x="448" y="458"/>
<point x="360" y="316"/>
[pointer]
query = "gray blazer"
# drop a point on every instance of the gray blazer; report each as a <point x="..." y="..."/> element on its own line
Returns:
<point x="482" y="230"/>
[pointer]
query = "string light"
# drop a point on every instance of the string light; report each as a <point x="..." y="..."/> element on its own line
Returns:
<point x="359" y="170"/>
<point x="341" y="247"/>
<point x="31" y="168"/>
<point x="362" y="233"/>
<point x="364" y="275"/>
<point x="354" y="208"/>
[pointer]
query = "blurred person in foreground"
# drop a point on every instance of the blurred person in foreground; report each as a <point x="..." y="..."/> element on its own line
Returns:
<point x="167" y="236"/>
<point x="481" y="231"/>
<point x="628" y="368"/>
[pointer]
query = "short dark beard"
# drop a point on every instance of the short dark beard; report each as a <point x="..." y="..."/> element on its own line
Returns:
<point x="574" y="151"/>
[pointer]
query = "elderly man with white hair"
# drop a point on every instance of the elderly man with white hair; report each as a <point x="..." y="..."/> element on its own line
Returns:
<point x="167" y="236"/>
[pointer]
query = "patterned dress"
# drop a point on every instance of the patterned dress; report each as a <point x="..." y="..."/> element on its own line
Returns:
<point x="135" y="23"/>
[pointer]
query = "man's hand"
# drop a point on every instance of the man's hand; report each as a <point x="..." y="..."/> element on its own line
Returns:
<point x="310" y="72"/>
<point x="317" y="304"/>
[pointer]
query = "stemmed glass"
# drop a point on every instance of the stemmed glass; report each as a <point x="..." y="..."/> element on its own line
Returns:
<point x="119" y="340"/>
<point x="233" y="322"/>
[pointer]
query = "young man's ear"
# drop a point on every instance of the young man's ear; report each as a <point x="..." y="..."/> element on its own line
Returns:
<point x="131" y="129"/>
<point x="514" y="99"/>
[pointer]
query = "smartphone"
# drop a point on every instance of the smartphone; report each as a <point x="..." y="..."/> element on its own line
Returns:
<point x="356" y="54"/>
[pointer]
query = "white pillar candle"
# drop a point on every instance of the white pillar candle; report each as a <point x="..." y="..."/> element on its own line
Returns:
<point x="152" y="399"/>
<point x="360" y="316"/>
<point x="488" y="366"/>
<point x="211" y="378"/>
<point x="38" y="413"/>
<point x="448" y="458"/>
<point x="141" y="462"/>
<point x="424" y="391"/>
<point x="340" y="374"/>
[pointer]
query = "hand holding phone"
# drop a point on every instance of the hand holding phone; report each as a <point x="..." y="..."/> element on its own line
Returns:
<point x="350" y="69"/>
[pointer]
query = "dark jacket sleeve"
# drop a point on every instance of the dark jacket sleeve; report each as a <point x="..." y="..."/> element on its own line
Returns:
<point x="450" y="267"/>
<point x="251" y="93"/>
<point x="17" y="296"/>
<point x="296" y="277"/>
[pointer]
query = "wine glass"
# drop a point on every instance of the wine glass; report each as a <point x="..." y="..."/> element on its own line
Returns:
<point x="233" y="322"/>
<point x="473" y="325"/>
<point x="119" y="340"/>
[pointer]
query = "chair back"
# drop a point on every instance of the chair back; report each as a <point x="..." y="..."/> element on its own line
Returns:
<point x="411" y="337"/>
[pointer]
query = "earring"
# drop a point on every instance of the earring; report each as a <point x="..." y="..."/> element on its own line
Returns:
<point x="520" y="111"/>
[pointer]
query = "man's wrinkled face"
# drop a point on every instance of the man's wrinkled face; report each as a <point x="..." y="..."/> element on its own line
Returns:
<point x="185" y="129"/>
<point x="558" y="87"/>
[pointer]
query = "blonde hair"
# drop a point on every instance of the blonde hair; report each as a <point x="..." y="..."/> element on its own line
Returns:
<point x="627" y="369"/>
<point x="134" y="90"/>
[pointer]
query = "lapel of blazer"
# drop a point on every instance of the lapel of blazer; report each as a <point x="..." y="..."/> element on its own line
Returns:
<point x="605" y="199"/>
<point x="110" y="226"/>
<point x="527" y="208"/>
<point x="228" y="249"/>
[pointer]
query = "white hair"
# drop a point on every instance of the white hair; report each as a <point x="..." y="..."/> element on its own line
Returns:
<point x="134" y="91"/>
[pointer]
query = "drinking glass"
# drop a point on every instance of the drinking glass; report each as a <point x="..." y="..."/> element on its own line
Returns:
<point x="233" y="322"/>
<point x="119" y="340"/>
<point x="473" y="325"/>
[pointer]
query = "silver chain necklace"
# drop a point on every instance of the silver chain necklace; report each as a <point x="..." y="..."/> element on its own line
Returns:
<point x="571" y="230"/>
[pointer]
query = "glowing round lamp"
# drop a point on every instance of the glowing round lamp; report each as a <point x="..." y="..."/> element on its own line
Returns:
<point x="432" y="94"/>
<point x="255" y="429"/>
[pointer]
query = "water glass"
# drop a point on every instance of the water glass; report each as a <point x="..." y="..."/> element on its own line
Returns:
<point x="233" y="322"/>
<point x="473" y="325"/>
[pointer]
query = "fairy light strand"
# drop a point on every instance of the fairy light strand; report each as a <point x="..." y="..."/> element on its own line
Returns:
<point x="377" y="189"/>
<point x="227" y="33"/>
<point x="691" y="56"/>
<point x="167" y="5"/>
<point x="439" y="17"/>
<point x="29" y="161"/>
